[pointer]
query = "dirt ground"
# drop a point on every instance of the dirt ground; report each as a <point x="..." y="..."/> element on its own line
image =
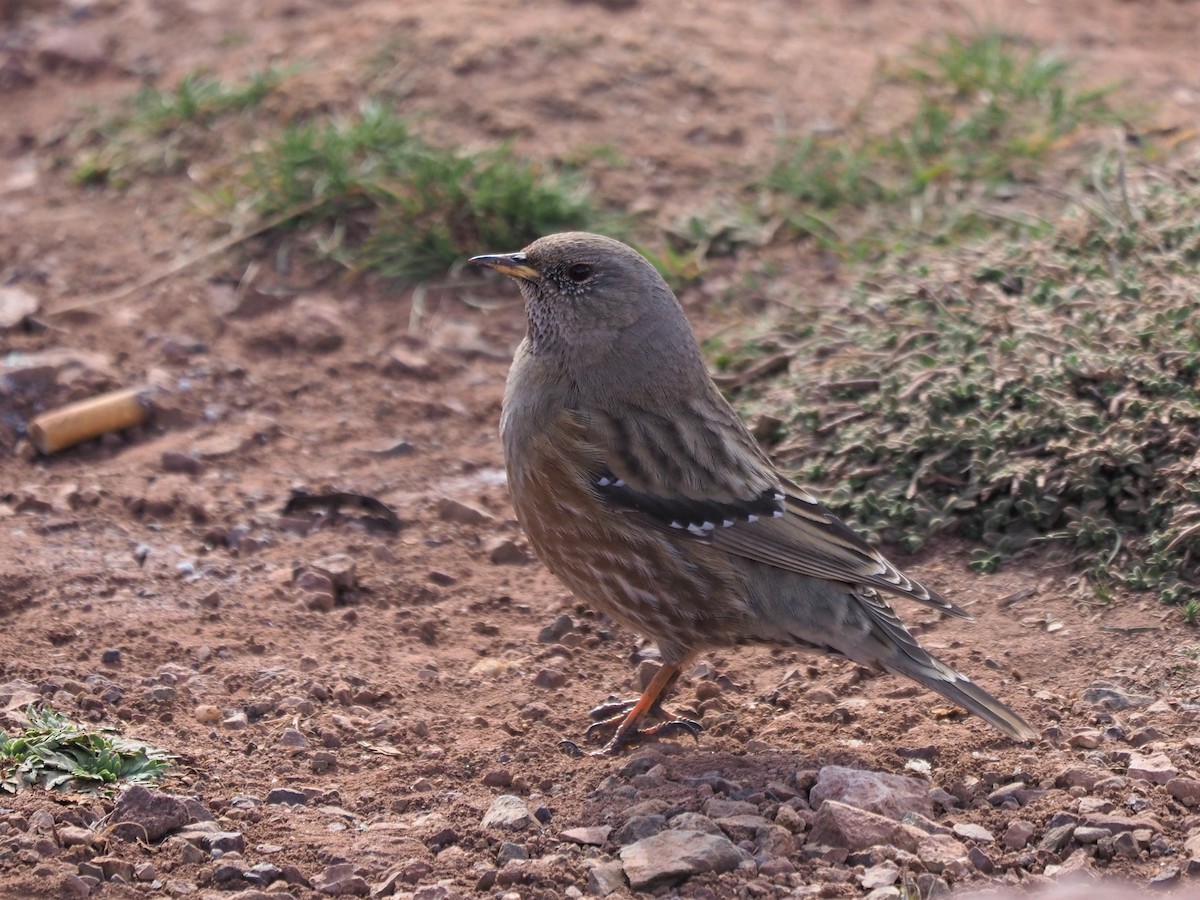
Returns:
<point x="150" y="580"/>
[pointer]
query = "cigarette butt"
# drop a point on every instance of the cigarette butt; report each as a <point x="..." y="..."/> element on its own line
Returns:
<point x="68" y="425"/>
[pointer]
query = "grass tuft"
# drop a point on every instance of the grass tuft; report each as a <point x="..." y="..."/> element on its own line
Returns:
<point x="54" y="753"/>
<point x="987" y="110"/>
<point x="158" y="131"/>
<point x="385" y="200"/>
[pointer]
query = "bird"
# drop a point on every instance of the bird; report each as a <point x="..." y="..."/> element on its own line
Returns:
<point x="640" y="488"/>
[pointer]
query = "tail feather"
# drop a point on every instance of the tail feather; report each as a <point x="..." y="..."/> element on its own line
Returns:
<point x="900" y="653"/>
<point x="962" y="691"/>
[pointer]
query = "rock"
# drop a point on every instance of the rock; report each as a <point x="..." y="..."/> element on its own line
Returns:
<point x="673" y="856"/>
<point x="1078" y="867"/>
<point x="973" y="832"/>
<point x="775" y="840"/>
<point x="144" y="815"/>
<point x="1153" y="767"/>
<point x="550" y="678"/>
<point x="340" y="881"/>
<point x="556" y="629"/>
<point x="594" y="836"/>
<point x="505" y="552"/>
<point x="1107" y="695"/>
<point x="1017" y="835"/>
<point x="1167" y="878"/>
<point x="1078" y="776"/>
<point x="606" y="878"/>
<point x="181" y="463"/>
<point x="1085" y="739"/>
<point x="877" y="792"/>
<point x="15" y="304"/>
<point x="508" y="812"/>
<point x="498" y="778"/>
<point x="716" y="808"/>
<point x="940" y="853"/>
<point x="638" y="828"/>
<point x="318" y="591"/>
<point x="209" y="836"/>
<point x="1016" y="791"/>
<point x="288" y="796"/>
<point x="980" y="860"/>
<point x="404" y="363"/>
<point x="114" y="868"/>
<point x="509" y="851"/>
<point x="451" y="510"/>
<point x="74" y="836"/>
<point x="840" y="825"/>
<point x="86" y="49"/>
<point x="340" y="569"/>
<point x="741" y="828"/>
<point x="1056" y="838"/>
<point x="1185" y="790"/>
<point x="1085" y="834"/>
<point x="883" y="875"/>
<point x="1192" y="845"/>
<point x="691" y="821"/>
<point x="1115" y="824"/>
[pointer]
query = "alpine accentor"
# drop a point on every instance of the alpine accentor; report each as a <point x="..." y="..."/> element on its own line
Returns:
<point x="638" y="485"/>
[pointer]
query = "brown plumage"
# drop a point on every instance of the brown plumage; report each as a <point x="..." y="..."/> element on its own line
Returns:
<point x="639" y="487"/>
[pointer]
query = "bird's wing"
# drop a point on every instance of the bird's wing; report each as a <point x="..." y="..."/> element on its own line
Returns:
<point x="705" y="478"/>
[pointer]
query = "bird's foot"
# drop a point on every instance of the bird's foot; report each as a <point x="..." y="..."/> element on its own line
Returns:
<point x="614" y="715"/>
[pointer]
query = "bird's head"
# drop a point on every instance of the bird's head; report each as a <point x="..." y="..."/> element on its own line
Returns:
<point x="594" y="300"/>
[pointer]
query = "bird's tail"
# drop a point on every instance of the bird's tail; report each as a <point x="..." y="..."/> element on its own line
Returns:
<point x="959" y="689"/>
<point x="896" y="650"/>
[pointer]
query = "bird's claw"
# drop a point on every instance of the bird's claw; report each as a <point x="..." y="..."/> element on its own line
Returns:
<point x="570" y="748"/>
<point x="622" y="740"/>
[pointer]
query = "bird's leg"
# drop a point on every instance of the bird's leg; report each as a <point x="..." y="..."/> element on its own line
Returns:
<point x="629" y="715"/>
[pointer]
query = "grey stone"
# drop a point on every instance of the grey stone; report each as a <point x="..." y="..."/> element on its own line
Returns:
<point x="877" y="792"/>
<point x="606" y="878"/>
<point x="693" y="821"/>
<point x="594" y="836"/>
<point x="883" y="875"/>
<point x="840" y="825"/>
<point x="973" y="832"/>
<point x="340" y="881"/>
<point x="288" y="796"/>
<point x="1185" y="790"/>
<point x="1107" y="695"/>
<point x="508" y="812"/>
<point x="1153" y="767"/>
<point x="1056" y="838"/>
<point x="639" y="828"/>
<point x="15" y="304"/>
<point x="141" y="814"/>
<point x="673" y="856"/>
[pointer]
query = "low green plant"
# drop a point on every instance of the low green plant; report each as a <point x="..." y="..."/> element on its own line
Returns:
<point x="987" y="110"/>
<point x="158" y="131"/>
<point x="1044" y="391"/>
<point x="383" y="199"/>
<point x="54" y="753"/>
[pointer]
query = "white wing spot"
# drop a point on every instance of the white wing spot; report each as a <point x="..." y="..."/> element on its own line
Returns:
<point x="779" y="496"/>
<point x="604" y="482"/>
<point x="676" y="524"/>
<point x="778" y="514"/>
<point x="619" y="483"/>
<point x="752" y="518"/>
<point x="727" y="523"/>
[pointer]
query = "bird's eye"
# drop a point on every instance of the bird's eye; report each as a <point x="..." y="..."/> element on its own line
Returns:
<point x="579" y="273"/>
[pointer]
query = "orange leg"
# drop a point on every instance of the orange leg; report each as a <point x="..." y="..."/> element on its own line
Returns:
<point x="630" y="715"/>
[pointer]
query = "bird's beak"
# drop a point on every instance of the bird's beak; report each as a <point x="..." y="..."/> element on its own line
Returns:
<point x="512" y="264"/>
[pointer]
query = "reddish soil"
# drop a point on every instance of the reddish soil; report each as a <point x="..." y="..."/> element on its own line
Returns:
<point x="162" y="559"/>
